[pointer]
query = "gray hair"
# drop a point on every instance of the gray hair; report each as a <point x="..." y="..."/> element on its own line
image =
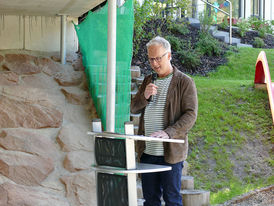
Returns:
<point x="159" y="40"/>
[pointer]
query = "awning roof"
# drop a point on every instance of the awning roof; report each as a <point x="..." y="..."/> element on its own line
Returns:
<point x="73" y="8"/>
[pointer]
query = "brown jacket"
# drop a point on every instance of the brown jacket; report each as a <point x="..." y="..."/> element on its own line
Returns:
<point x="179" y="116"/>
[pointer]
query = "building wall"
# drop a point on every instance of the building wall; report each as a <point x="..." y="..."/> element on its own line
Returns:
<point x="38" y="33"/>
<point x="266" y="10"/>
<point x="269" y="10"/>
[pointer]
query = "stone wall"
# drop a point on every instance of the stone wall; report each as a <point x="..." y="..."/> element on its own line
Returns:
<point x="45" y="114"/>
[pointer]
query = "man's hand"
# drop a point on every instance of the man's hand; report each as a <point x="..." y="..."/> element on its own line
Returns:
<point x="160" y="134"/>
<point x="151" y="89"/>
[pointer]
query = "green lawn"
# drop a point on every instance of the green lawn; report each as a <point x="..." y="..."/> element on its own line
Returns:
<point x="241" y="66"/>
<point x="231" y="114"/>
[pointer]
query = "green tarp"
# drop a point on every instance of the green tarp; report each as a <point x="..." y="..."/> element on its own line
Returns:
<point x="92" y="35"/>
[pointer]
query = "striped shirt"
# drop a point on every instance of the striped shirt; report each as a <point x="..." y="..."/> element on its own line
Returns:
<point x="154" y="116"/>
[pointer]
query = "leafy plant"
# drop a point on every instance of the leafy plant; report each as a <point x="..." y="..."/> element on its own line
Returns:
<point x="176" y="28"/>
<point x="208" y="45"/>
<point x="175" y="42"/>
<point x="224" y="23"/>
<point x="261" y="26"/>
<point x="190" y="58"/>
<point x="258" y="42"/>
<point x="262" y="31"/>
<point x="269" y="27"/>
<point x="167" y="9"/>
<point x="206" y="20"/>
<point x="142" y="14"/>
<point x="255" y="22"/>
<point x="243" y="26"/>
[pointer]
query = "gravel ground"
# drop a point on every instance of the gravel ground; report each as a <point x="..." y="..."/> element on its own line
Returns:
<point x="259" y="197"/>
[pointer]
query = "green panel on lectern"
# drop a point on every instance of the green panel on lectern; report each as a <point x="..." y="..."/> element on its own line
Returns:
<point x="112" y="190"/>
<point x="110" y="152"/>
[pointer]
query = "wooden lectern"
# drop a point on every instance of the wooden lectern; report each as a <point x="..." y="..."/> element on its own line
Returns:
<point x="116" y="167"/>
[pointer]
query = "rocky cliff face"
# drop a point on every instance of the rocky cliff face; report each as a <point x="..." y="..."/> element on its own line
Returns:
<point x="45" y="114"/>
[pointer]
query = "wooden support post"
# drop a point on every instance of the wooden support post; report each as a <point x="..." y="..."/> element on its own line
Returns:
<point x="96" y="125"/>
<point x="187" y="183"/>
<point x="131" y="164"/>
<point x="195" y="197"/>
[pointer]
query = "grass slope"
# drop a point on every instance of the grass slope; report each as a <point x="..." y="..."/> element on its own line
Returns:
<point x="231" y="142"/>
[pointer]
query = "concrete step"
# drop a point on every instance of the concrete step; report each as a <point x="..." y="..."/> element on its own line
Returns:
<point x="139" y="190"/>
<point x="212" y="29"/>
<point x="138" y="81"/>
<point x="244" y="45"/>
<point x="135" y="71"/>
<point x="195" y="197"/>
<point x="136" y="129"/>
<point x="221" y="35"/>
<point x="190" y="198"/>
<point x="133" y="93"/>
<point x="185" y="168"/>
<point x="133" y="85"/>
<point x="135" y="118"/>
<point x="224" y="36"/>
<point x="187" y="183"/>
<point x="194" y="22"/>
<point x="140" y="202"/>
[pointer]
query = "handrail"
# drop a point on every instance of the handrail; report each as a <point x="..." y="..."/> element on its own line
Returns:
<point x="230" y="16"/>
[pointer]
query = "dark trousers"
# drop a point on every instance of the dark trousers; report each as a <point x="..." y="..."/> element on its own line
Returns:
<point x="166" y="183"/>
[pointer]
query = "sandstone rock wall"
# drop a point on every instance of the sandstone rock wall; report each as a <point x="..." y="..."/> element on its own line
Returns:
<point x="45" y="113"/>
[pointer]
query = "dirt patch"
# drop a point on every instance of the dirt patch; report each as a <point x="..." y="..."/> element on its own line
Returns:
<point x="252" y="159"/>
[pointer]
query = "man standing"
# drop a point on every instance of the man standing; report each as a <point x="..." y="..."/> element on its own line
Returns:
<point x="171" y="114"/>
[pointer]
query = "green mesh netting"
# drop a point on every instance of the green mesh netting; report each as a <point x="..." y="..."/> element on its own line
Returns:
<point x="92" y="35"/>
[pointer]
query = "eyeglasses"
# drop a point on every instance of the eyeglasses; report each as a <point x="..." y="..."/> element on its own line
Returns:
<point x="157" y="59"/>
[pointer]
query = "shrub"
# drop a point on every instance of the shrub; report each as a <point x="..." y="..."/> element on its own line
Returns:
<point x="258" y="42"/>
<point x="243" y="27"/>
<point x="255" y="23"/>
<point x="206" y="21"/>
<point x="261" y="26"/>
<point x="208" y="45"/>
<point x="190" y="58"/>
<point x="269" y="27"/>
<point x="224" y="23"/>
<point x="178" y="28"/>
<point x="175" y="42"/>
<point x="262" y="31"/>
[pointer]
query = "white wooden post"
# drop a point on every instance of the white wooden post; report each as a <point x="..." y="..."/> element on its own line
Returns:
<point x="63" y="38"/>
<point x="131" y="164"/>
<point x="96" y="125"/>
